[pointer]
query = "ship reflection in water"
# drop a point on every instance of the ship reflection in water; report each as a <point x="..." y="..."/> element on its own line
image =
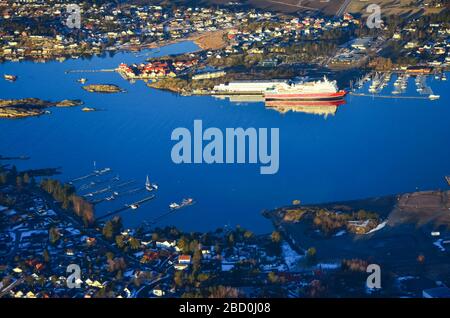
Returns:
<point x="322" y="108"/>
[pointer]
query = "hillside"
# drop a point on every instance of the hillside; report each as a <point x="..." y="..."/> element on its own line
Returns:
<point x="330" y="7"/>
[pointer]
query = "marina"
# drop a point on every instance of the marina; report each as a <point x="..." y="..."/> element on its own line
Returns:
<point x="379" y="81"/>
<point x="132" y="138"/>
<point x="103" y="190"/>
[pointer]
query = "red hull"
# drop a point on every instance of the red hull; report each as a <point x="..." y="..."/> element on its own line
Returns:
<point x="307" y="97"/>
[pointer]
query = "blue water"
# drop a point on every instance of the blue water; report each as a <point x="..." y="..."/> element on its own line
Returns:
<point x="370" y="147"/>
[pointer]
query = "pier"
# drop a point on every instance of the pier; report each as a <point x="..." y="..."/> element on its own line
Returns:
<point x="388" y="96"/>
<point x="127" y="206"/>
<point x="91" y="71"/>
<point x="95" y="173"/>
<point x="15" y="158"/>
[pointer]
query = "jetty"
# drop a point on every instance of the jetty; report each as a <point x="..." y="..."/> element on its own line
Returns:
<point x="15" y="158"/>
<point x="91" y="71"/>
<point x="127" y="206"/>
<point x="116" y="195"/>
<point x="387" y="96"/>
<point x="95" y="173"/>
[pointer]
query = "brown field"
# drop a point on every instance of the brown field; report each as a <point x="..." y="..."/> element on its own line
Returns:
<point x="290" y="6"/>
<point x="331" y="7"/>
<point x="422" y="208"/>
<point x="210" y="40"/>
<point x="392" y="7"/>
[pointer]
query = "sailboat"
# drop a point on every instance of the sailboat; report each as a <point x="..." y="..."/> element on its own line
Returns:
<point x="149" y="186"/>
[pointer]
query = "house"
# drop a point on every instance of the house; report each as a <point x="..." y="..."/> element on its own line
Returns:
<point x="166" y="244"/>
<point x="184" y="259"/>
<point x="438" y="292"/>
<point x="158" y="292"/>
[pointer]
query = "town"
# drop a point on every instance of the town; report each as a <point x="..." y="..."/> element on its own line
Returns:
<point x="45" y="228"/>
<point x="56" y="243"/>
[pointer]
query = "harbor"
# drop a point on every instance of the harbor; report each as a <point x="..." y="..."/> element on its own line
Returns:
<point x="99" y="187"/>
<point x="133" y="139"/>
<point x="379" y="82"/>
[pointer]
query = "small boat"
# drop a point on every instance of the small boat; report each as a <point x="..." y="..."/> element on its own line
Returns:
<point x="434" y="97"/>
<point x="186" y="202"/>
<point x="134" y="206"/>
<point x="88" y="109"/>
<point x="82" y="80"/>
<point x="174" y="206"/>
<point x="9" y="77"/>
<point x="102" y="171"/>
<point x="447" y="178"/>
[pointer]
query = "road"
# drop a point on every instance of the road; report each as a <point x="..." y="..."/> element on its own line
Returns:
<point x="343" y="8"/>
<point x="11" y="286"/>
<point x="293" y="5"/>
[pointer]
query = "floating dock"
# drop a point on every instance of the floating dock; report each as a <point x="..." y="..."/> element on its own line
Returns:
<point x="127" y="206"/>
<point x="388" y="96"/>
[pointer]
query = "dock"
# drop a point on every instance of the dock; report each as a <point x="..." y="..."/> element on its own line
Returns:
<point x="91" y="71"/>
<point x="95" y="173"/>
<point x="15" y="158"/>
<point x="120" y="194"/>
<point x="387" y="96"/>
<point x="126" y="207"/>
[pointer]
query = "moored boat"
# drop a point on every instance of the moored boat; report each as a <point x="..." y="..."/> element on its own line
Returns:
<point x="307" y="91"/>
<point x="9" y="77"/>
<point x="434" y="97"/>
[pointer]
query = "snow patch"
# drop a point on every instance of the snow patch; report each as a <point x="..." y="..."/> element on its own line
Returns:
<point x="438" y="244"/>
<point x="291" y="257"/>
<point x="328" y="265"/>
<point x="379" y="227"/>
<point x="340" y="233"/>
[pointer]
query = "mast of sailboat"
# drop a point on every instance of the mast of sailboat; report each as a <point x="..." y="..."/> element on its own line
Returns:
<point x="148" y="185"/>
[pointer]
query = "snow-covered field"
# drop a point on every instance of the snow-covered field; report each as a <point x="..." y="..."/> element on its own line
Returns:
<point x="290" y="256"/>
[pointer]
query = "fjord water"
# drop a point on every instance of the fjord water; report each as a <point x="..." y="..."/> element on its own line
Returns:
<point x="370" y="147"/>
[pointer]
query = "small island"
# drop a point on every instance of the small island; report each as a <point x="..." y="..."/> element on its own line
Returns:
<point x="103" y="88"/>
<point x="26" y="107"/>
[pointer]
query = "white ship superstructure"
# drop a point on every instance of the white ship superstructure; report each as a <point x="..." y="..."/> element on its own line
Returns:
<point x="317" y="90"/>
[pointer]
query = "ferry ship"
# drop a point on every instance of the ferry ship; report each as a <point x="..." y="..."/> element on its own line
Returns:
<point x="308" y="91"/>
